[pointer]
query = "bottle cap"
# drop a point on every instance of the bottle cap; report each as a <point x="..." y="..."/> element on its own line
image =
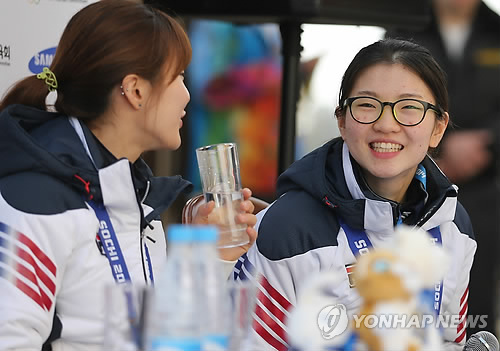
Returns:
<point x="206" y="233"/>
<point x="180" y="233"/>
<point x="184" y="344"/>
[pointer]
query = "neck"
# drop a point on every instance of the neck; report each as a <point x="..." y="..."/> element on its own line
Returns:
<point x="390" y="188"/>
<point x="116" y="137"/>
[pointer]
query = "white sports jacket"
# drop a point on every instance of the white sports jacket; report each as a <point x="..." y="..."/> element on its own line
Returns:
<point x="52" y="269"/>
<point x="300" y="234"/>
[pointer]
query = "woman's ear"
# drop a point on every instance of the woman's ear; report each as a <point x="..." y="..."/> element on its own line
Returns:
<point x="136" y="90"/>
<point x="439" y="129"/>
<point x="340" y="121"/>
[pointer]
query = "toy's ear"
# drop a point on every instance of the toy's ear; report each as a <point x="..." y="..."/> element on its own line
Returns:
<point x="316" y="306"/>
<point x="435" y="266"/>
<point x="419" y="251"/>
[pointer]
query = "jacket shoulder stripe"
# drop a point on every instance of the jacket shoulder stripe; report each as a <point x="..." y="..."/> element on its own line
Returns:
<point x="275" y="294"/>
<point x="268" y="320"/>
<point x="22" y="262"/>
<point x="46" y="261"/>
<point x="270" y="315"/>
<point x="243" y="269"/>
<point x="461" y="328"/>
<point x="270" y="339"/>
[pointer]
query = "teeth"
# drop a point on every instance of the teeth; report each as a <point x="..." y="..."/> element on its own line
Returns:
<point x="386" y="147"/>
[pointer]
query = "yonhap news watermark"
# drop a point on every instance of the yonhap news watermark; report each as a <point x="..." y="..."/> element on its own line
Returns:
<point x="333" y="321"/>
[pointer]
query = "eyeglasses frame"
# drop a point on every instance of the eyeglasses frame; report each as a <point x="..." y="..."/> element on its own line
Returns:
<point x="427" y="106"/>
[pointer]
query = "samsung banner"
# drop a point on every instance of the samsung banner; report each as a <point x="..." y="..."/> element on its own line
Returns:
<point x="29" y="33"/>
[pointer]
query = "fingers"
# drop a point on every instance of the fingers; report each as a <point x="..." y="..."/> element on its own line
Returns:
<point x="247" y="193"/>
<point x="233" y="253"/>
<point x="246" y="218"/>
<point x="252" y="234"/>
<point x="247" y="206"/>
<point x="204" y="210"/>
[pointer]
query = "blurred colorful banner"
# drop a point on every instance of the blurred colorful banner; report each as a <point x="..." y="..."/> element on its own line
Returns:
<point x="235" y="82"/>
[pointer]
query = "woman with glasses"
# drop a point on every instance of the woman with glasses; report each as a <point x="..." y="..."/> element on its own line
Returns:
<point x="356" y="189"/>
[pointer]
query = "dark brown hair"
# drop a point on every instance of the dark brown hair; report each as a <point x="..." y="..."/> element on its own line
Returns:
<point x="101" y="44"/>
<point x="409" y="54"/>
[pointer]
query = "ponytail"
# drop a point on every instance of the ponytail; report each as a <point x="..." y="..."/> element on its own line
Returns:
<point x="29" y="91"/>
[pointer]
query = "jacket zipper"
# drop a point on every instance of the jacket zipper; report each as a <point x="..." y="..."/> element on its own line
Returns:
<point x="142" y="243"/>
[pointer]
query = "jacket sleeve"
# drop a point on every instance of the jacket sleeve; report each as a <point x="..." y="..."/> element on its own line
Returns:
<point x="275" y="296"/>
<point x="454" y="313"/>
<point x="33" y="249"/>
<point x="292" y="245"/>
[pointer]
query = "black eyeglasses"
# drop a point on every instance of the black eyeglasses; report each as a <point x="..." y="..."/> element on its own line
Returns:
<point x="407" y="112"/>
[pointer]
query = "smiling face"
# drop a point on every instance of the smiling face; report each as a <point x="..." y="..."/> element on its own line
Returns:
<point x="388" y="152"/>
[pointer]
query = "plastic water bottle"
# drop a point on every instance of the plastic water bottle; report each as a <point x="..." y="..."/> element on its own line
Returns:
<point x="174" y="311"/>
<point x="215" y="313"/>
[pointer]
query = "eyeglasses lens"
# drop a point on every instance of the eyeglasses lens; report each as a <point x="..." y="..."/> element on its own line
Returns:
<point x="365" y="110"/>
<point x="409" y="112"/>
